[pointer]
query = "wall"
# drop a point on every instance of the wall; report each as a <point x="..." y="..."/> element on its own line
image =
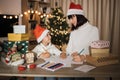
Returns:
<point x="10" y="7"/>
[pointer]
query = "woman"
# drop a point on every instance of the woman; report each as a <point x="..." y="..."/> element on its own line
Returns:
<point x="82" y="32"/>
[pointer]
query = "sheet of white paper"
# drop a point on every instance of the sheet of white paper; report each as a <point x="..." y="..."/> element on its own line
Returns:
<point x="57" y="59"/>
<point x="85" y="68"/>
<point x="73" y="62"/>
<point x="67" y="61"/>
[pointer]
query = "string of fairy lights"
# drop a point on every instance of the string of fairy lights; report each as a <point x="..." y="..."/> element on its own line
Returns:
<point x="35" y="12"/>
<point x="11" y="16"/>
<point x="41" y="15"/>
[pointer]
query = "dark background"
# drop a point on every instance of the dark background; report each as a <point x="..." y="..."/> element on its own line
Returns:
<point x="6" y="25"/>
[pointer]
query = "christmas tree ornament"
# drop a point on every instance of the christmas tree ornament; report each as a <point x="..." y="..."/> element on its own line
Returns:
<point x="31" y="66"/>
<point x="21" y="67"/>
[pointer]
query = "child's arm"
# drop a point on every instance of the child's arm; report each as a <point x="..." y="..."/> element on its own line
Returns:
<point x="39" y="51"/>
<point x="55" y="50"/>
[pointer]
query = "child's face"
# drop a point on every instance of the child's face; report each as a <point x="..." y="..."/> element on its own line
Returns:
<point x="47" y="39"/>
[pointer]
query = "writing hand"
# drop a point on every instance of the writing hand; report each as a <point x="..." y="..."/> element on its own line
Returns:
<point x="79" y="58"/>
<point x="74" y="54"/>
<point x="45" y="55"/>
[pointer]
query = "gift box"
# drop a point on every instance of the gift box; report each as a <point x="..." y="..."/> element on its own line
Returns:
<point x="29" y="57"/>
<point x="99" y="52"/>
<point x="15" y="57"/>
<point x="100" y="44"/>
<point x="17" y="37"/>
<point x="100" y="48"/>
<point x="22" y="46"/>
<point x="19" y="29"/>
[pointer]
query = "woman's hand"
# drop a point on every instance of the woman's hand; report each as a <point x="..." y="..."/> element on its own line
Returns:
<point x="79" y="58"/>
<point x="74" y="54"/>
<point x="63" y="55"/>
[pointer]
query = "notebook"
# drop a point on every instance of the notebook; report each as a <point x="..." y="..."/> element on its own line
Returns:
<point x="50" y="66"/>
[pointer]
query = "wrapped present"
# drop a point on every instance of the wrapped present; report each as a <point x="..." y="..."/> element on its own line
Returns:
<point x="99" y="52"/>
<point x="19" y="29"/>
<point x="29" y="57"/>
<point x="22" y="46"/>
<point x="100" y="44"/>
<point x="18" y="37"/>
<point x="14" y="59"/>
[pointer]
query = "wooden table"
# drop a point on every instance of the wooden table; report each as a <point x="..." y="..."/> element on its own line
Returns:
<point x="104" y="71"/>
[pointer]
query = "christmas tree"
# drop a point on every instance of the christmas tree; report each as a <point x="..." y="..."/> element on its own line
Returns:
<point x="58" y="27"/>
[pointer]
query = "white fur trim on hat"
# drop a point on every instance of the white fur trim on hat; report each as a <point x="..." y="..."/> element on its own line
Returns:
<point x="42" y="35"/>
<point x="75" y="11"/>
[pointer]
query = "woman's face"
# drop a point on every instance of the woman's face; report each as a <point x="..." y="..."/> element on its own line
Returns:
<point x="73" y="20"/>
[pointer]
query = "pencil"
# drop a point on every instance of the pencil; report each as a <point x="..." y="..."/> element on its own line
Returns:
<point x="81" y="51"/>
<point x="45" y="64"/>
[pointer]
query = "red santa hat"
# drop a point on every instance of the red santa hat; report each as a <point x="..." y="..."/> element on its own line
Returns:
<point x="75" y="9"/>
<point x="40" y="33"/>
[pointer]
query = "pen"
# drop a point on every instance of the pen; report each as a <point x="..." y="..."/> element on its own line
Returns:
<point x="45" y="64"/>
<point x="56" y="66"/>
<point x="81" y="51"/>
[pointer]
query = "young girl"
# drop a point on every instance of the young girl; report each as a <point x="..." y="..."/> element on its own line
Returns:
<point x="45" y="48"/>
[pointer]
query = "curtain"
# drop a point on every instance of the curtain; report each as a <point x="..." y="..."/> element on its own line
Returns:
<point x="104" y="14"/>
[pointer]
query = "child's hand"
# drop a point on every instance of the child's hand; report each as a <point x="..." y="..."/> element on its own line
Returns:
<point x="45" y="55"/>
<point x="63" y="55"/>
